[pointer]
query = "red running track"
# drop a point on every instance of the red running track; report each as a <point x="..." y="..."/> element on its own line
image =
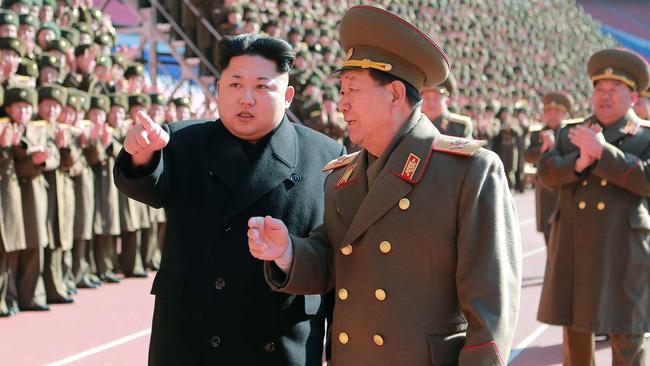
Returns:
<point x="110" y="326"/>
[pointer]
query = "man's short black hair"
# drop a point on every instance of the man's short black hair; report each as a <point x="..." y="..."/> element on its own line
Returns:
<point x="413" y="97"/>
<point x="272" y="49"/>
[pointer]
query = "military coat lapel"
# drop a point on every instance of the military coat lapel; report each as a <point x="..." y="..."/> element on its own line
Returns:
<point x="274" y="166"/>
<point x="352" y="187"/>
<point x="404" y="168"/>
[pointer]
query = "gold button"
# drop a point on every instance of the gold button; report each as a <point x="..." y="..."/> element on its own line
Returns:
<point x="380" y="294"/>
<point x="404" y="203"/>
<point x="582" y="205"/>
<point x="344" y="338"/>
<point x="584" y="183"/>
<point x="378" y="340"/>
<point x="600" y="206"/>
<point x="385" y="247"/>
<point x="346" y="250"/>
<point x="603" y="182"/>
<point x="343" y="294"/>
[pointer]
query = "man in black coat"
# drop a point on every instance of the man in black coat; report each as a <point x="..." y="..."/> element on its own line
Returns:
<point x="213" y="306"/>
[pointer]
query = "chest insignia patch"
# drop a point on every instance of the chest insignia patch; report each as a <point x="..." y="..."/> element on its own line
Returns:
<point x="410" y="167"/>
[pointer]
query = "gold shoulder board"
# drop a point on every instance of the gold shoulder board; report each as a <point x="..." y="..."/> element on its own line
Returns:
<point x="573" y="121"/>
<point x="536" y="127"/>
<point x="457" y="145"/>
<point x="5" y="120"/>
<point x="38" y="123"/>
<point x="644" y="123"/>
<point x="341" y="161"/>
<point x="458" y="118"/>
<point x="315" y="113"/>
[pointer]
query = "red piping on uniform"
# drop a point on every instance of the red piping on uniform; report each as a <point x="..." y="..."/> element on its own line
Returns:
<point x="627" y="174"/>
<point x="426" y="163"/>
<point x="493" y="343"/>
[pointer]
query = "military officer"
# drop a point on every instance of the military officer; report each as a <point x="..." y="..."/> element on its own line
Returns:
<point x="153" y="237"/>
<point x="642" y="105"/>
<point x="100" y="155"/>
<point x="12" y="233"/>
<point x="8" y="23"/>
<point x="134" y="215"/>
<point x="82" y="176"/>
<point x="505" y="143"/>
<point x="51" y="100"/>
<point x="433" y="212"/>
<point x="49" y="68"/>
<point x="11" y="53"/>
<point x="557" y="108"/>
<point x="34" y="155"/>
<point x="134" y="75"/>
<point x="183" y="109"/>
<point x="435" y="105"/>
<point x="598" y="267"/>
<point x="27" y="33"/>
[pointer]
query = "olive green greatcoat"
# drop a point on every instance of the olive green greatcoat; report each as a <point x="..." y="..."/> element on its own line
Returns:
<point x="448" y="260"/>
<point x="598" y="267"/>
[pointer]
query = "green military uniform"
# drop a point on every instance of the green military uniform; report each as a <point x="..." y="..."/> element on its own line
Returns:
<point x="597" y="276"/>
<point x="153" y="237"/>
<point x="545" y="199"/>
<point x="60" y="206"/>
<point x="12" y="232"/>
<point x="106" y="225"/>
<point x="28" y="264"/>
<point x="134" y="215"/>
<point x="433" y="213"/>
<point x="505" y="144"/>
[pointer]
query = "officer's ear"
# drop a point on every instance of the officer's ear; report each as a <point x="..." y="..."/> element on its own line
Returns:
<point x="288" y="96"/>
<point x="634" y="97"/>
<point x="398" y="91"/>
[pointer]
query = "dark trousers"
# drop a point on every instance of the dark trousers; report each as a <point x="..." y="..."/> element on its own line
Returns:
<point x="579" y="348"/>
<point x="81" y="269"/>
<point x="26" y="285"/>
<point x="55" y="286"/>
<point x="104" y="253"/>
<point x="130" y="258"/>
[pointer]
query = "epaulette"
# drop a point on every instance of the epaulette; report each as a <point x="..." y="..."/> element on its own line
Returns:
<point x="459" y="118"/>
<point x="5" y="120"/>
<point x="536" y="127"/>
<point x="644" y="123"/>
<point x="457" y="145"/>
<point x="341" y="161"/>
<point x="573" y="121"/>
<point x="38" y="123"/>
<point x="315" y="113"/>
<point x="87" y="122"/>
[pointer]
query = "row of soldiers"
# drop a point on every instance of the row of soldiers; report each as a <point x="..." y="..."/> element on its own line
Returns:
<point x="67" y="104"/>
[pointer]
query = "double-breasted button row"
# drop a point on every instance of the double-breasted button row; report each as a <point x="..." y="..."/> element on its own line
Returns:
<point x="380" y="294"/>
<point x="385" y="247"/>
<point x="603" y="183"/>
<point x="344" y="338"/>
<point x="600" y="206"/>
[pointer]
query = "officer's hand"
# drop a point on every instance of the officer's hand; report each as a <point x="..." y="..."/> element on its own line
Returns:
<point x="60" y="138"/>
<point x="548" y="140"/>
<point x="268" y="238"/>
<point x="39" y="155"/>
<point x="144" y="138"/>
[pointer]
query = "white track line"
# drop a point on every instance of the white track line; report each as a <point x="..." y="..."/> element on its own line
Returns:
<point x="533" y="252"/>
<point x="101" y="348"/>
<point x="527" y="341"/>
<point x="526" y="222"/>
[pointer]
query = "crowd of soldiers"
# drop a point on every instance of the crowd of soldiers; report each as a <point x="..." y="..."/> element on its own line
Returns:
<point x="497" y="93"/>
<point x="67" y="104"/>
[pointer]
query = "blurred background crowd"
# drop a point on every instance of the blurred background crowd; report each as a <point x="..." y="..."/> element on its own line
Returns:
<point x="75" y="72"/>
